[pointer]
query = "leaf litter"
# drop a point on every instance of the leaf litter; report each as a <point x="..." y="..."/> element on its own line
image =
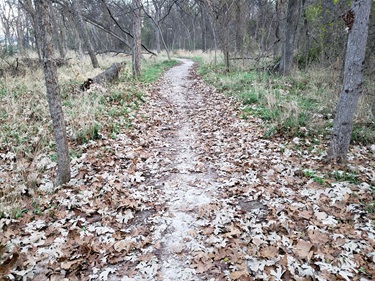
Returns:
<point x="193" y="192"/>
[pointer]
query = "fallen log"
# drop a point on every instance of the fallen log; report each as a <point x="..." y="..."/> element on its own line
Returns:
<point x="105" y="77"/>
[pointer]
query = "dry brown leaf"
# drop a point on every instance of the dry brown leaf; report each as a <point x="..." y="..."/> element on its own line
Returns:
<point x="269" y="252"/>
<point x="307" y="214"/>
<point x="233" y="231"/>
<point x="302" y="248"/>
<point x="68" y="264"/>
<point x="317" y="237"/>
<point x="8" y="264"/>
<point x="239" y="275"/>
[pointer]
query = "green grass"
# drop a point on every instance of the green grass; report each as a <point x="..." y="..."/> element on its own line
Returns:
<point x="265" y="96"/>
<point x="312" y="175"/>
<point x="301" y="104"/>
<point x="151" y="72"/>
<point x="343" y="176"/>
<point x="91" y="132"/>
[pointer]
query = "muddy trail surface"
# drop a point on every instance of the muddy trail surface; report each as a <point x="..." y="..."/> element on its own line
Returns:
<point x="193" y="192"/>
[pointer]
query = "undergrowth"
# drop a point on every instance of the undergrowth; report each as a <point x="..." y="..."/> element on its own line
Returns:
<point x="27" y="147"/>
<point x="299" y="105"/>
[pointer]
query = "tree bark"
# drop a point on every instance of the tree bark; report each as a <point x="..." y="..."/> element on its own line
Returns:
<point x="76" y="9"/>
<point x="288" y="44"/>
<point x="156" y="27"/>
<point x="136" y="55"/>
<point x="203" y="27"/>
<point x="108" y="75"/>
<point x="55" y="27"/>
<point x="53" y="92"/>
<point x="28" y="6"/>
<point x="20" y="32"/>
<point x="352" y="84"/>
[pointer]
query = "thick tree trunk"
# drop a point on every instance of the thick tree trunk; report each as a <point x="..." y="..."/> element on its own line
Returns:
<point x="136" y="55"/>
<point x="53" y="92"/>
<point x="352" y="85"/>
<point x="292" y="19"/>
<point x="280" y="25"/>
<point x="76" y="9"/>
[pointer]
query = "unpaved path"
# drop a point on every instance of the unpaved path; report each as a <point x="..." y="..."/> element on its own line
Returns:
<point x="188" y="188"/>
<point x="193" y="192"/>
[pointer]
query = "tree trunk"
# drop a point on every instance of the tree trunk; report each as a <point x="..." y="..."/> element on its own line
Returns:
<point x="280" y="25"/>
<point x="203" y="27"/>
<point x="28" y="6"/>
<point x="136" y="55"/>
<point x="76" y="9"/>
<point x="20" y="32"/>
<point x="352" y="84"/>
<point x="53" y="92"/>
<point x="156" y="28"/>
<point x="288" y="44"/>
<point x="55" y="27"/>
<point x="109" y="74"/>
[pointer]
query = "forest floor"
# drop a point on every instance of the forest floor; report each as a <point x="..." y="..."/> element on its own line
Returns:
<point x="193" y="192"/>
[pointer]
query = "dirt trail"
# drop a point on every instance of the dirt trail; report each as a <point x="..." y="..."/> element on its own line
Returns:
<point x="193" y="192"/>
<point x="187" y="189"/>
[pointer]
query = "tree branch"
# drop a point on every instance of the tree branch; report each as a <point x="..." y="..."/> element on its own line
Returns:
<point x="122" y="29"/>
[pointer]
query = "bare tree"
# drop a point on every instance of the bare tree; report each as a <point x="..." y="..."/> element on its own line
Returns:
<point x="155" y="23"/>
<point x="136" y="54"/>
<point x="221" y="12"/>
<point x="59" y="42"/>
<point x="28" y="6"/>
<point x="357" y="19"/>
<point x="53" y="92"/>
<point x="76" y="9"/>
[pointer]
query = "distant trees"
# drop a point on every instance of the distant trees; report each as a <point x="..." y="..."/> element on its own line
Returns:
<point x="222" y="15"/>
<point x="356" y="19"/>
<point x="297" y="32"/>
<point x="283" y="33"/>
<point x="53" y="91"/>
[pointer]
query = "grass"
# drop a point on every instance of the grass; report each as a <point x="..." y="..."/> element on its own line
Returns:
<point x="301" y="104"/>
<point x="26" y="134"/>
<point x="152" y="71"/>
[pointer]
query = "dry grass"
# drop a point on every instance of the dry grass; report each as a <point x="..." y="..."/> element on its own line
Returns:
<point x="303" y="99"/>
<point x="27" y="152"/>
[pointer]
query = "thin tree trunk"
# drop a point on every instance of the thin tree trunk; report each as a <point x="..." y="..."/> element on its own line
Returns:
<point x="76" y="9"/>
<point x="136" y="55"/>
<point x="203" y="27"/>
<point x="53" y="92"/>
<point x="28" y="6"/>
<point x="352" y="84"/>
<point x="55" y="27"/>
<point x="156" y="28"/>
<point x="20" y="32"/>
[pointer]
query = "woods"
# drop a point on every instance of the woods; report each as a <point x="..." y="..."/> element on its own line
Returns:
<point x="187" y="140"/>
